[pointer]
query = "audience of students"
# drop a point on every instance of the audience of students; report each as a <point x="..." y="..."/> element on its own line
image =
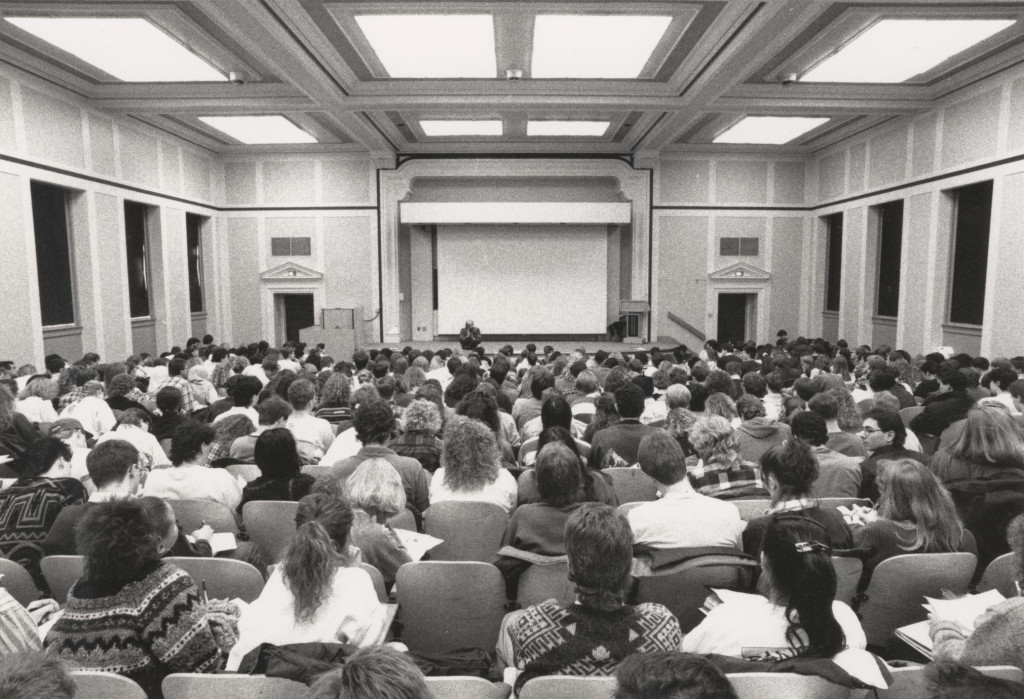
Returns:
<point x="471" y="468"/>
<point x="281" y="477"/>
<point x="375" y="493"/>
<point x="190" y="478"/>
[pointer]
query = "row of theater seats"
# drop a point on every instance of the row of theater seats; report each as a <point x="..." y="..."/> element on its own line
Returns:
<point x="908" y="683"/>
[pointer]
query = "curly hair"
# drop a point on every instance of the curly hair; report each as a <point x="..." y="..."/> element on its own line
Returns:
<point x="119" y="542"/>
<point x="470" y="457"/>
<point x="722" y="405"/>
<point x="422" y="416"/>
<point x="373" y="421"/>
<point x="714" y="439"/>
<point x="336" y="391"/>
<point x="376" y="487"/>
<point x="188" y="441"/>
<point x="41" y="387"/>
<point x="482" y="407"/>
<point x="793" y="466"/>
<point x="120" y="385"/>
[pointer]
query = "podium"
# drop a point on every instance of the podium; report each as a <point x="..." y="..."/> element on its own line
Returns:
<point x="342" y="330"/>
<point x="636" y="319"/>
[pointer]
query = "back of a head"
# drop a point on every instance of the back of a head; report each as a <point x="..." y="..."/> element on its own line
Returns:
<point x="111" y="461"/>
<point x="301" y="393"/>
<point x="810" y="427"/>
<point x="118" y="541"/>
<point x="243" y="390"/>
<point x="599" y="544"/>
<point x="670" y="674"/>
<point x="793" y="466"/>
<point x="558" y="475"/>
<point x="662" y="458"/>
<point x="168" y="400"/>
<point x="322" y="525"/>
<point x="749" y="407"/>
<point x="470" y="455"/>
<point x="629" y="400"/>
<point x="677" y="396"/>
<point x="797" y="560"/>
<point x="376" y="488"/>
<point x="375" y="672"/>
<point x="42" y="455"/>
<point x="273" y="409"/>
<point x="276" y="454"/>
<point x="373" y="421"/>
<point x="910" y="492"/>
<point x="34" y="674"/>
<point x="188" y="440"/>
<point x="541" y="381"/>
<point x="555" y="412"/>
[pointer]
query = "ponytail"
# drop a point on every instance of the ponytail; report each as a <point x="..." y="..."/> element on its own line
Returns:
<point x="801" y="575"/>
<point x="314" y="555"/>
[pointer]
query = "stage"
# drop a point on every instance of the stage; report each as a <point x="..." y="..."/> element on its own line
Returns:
<point x="492" y="346"/>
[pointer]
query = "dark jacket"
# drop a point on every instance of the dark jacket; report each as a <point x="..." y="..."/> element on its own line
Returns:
<point x="941" y="412"/>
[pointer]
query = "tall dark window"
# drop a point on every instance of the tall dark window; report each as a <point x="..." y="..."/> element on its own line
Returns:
<point x="890" y="248"/>
<point x="138" y="258"/>
<point x="53" y="254"/>
<point x="193" y="229"/>
<point x="970" y="253"/>
<point x="834" y="262"/>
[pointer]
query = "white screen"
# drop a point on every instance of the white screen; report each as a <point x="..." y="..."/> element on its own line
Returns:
<point x="522" y="280"/>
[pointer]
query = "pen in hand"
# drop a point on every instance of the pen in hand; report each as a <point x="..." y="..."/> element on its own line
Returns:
<point x="202" y="589"/>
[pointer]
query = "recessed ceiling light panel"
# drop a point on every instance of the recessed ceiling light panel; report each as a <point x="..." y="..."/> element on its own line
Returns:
<point x="595" y="46"/>
<point x="432" y="46"/>
<point x="461" y="127"/>
<point x="566" y="128"/>
<point x="772" y="130"/>
<point x="129" y="48"/>
<point x="895" y="50"/>
<point x="257" y="130"/>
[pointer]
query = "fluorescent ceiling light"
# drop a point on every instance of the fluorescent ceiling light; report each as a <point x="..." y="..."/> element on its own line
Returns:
<point x="461" y="127"/>
<point x="777" y="130"/>
<point x="254" y="130"/>
<point x="566" y="128"/>
<point x="130" y="49"/>
<point x="432" y="46"/>
<point x="594" y="46"/>
<point x="894" y="50"/>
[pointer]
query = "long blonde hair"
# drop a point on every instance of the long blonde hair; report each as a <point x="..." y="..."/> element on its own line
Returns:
<point x="991" y="436"/>
<point x="911" y="495"/>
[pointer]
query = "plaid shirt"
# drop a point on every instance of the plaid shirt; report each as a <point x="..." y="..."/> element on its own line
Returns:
<point x="188" y="399"/>
<point x="422" y="446"/>
<point x="72" y="396"/>
<point x="741" y="478"/>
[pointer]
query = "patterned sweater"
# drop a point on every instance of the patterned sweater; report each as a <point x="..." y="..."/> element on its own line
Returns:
<point x="148" y="629"/>
<point x="549" y="639"/>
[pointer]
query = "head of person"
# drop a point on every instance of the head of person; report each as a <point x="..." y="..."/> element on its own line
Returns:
<point x="273" y="412"/>
<point x="882" y="428"/>
<point x="376" y="488"/>
<point x="115" y="466"/>
<point x="470" y="457"/>
<point x="375" y="672"/>
<point x="629" y="400"/>
<point x="48" y="457"/>
<point x="555" y="412"/>
<point x="558" y="475"/>
<point x="422" y="416"/>
<point x="661" y="457"/>
<point x="244" y="391"/>
<point x="796" y="559"/>
<point x="301" y="393"/>
<point x="559" y="435"/>
<point x="316" y="551"/>
<point x="722" y="405"/>
<point x="749" y="407"/>
<point x="374" y="421"/>
<point x="480" y="406"/>
<point x="119" y="541"/>
<point x="991" y="436"/>
<point x="809" y="427"/>
<point x="169" y="401"/>
<point x="599" y="544"/>
<point x="677" y="396"/>
<point x="789" y="470"/>
<point x="336" y="391"/>
<point x="586" y="382"/>
<point x="670" y="674"/>
<point x="229" y="429"/>
<point x="41" y="387"/>
<point x="541" y="381"/>
<point x="176" y="367"/>
<point x="34" y="674"/>
<point x="714" y="439"/>
<point x="191" y="442"/>
<point x="276" y="454"/>
<point x="910" y="492"/>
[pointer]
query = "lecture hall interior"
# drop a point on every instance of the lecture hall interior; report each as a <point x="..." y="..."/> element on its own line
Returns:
<point x="723" y="169"/>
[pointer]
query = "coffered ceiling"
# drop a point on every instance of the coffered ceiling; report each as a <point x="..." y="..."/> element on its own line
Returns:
<point x="703" y="67"/>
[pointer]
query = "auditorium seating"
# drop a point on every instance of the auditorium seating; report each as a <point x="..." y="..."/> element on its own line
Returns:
<point x="61" y="573"/>
<point x="912" y="683"/>
<point x="193" y="514"/>
<point x="539" y="583"/>
<point x="1000" y="575"/>
<point x="224" y="578"/>
<point x="467" y="688"/>
<point x="105" y="685"/>
<point x="471" y="531"/>
<point x="18" y="582"/>
<point x="848" y="572"/>
<point x="198" y="686"/>
<point x="632" y="485"/>
<point x="271" y="525"/>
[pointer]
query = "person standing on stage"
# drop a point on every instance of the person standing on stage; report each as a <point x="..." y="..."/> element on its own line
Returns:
<point x="469" y="336"/>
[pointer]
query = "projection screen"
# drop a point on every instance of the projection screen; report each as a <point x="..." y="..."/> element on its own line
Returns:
<point x="523" y="280"/>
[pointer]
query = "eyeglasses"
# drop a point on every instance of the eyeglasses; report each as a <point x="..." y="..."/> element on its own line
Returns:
<point x="870" y="430"/>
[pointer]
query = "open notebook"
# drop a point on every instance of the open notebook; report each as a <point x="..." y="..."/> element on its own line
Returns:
<point x="962" y="610"/>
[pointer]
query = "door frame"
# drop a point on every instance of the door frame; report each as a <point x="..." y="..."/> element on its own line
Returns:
<point x="741" y="278"/>
<point x="280" y="314"/>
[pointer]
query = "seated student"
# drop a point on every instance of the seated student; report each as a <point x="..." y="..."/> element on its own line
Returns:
<point x="117" y="472"/>
<point x="826" y="404"/>
<point x="595" y="633"/>
<point x="668" y="674"/>
<point x="281" y="476"/>
<point x="313" y="596"/>
<point x="273" y="413"/>
<point x="422" y="422"/>
<point x="376" y="672"/>
<point x="720" y="472"/>
<point x="838" y="475"/>
<point x="131" y="613"/>
<point x="798" y="617"/>
<point x="243" y="392"/>
<point x="682" y="518"/>
<point x="168" y="403"/>
<point x="375" y="493"/>
<point x="595" y="485"/>
<point x="790" y="471"/>
<point x="883" y="434"/>
<point x="35" y="401"/>
<point x="190" y="478"/>
<point x="471" y="467"/>
<point x="133" y="427"/>
<point x="314" y="435"/>
<point x="915" y="514"/>
<point x="31" y="675"/>
<point x="226" y="432"/>
<point x="555" y="412"/>
<point x="530" y="401"/>
<point x="91" y="409"/>
<point x="30" y="506"/>
<point x="996" y="636"/>
<point x="757" y="433"/>
<point x="617" y="444"/>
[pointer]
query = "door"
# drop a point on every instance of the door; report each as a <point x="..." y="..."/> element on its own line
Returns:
<point x="732" y="318"/>
<point x="298" y="314"/>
